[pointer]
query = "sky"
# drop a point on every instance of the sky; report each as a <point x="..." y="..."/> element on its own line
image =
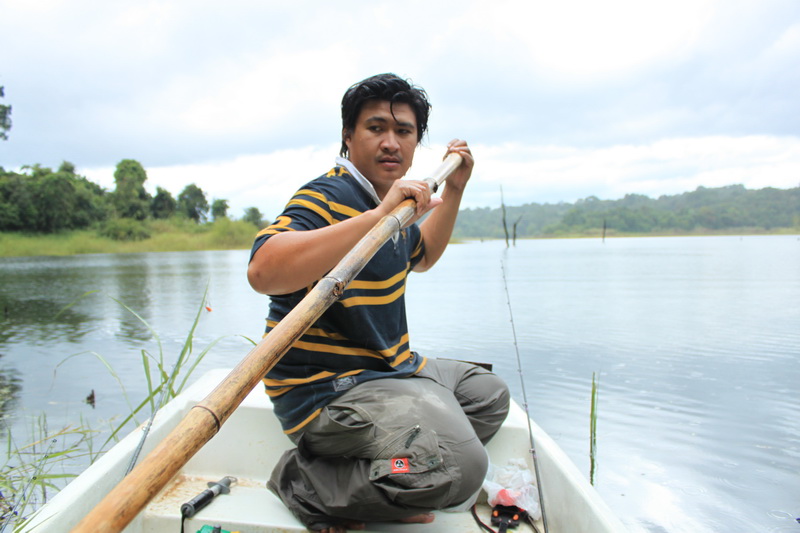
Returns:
<point x="558" y="100"/>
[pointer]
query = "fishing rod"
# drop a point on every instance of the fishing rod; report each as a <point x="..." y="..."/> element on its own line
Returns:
<point x="525" y="402"/>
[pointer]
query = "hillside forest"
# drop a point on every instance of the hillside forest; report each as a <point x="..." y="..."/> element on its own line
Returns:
<point x="722" y="210"/>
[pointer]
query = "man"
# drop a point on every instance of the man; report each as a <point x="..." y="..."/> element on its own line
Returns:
<point x="382" y="433"/>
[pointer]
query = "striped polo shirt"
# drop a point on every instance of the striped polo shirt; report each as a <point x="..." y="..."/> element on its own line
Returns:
<point x="361" y="337"/>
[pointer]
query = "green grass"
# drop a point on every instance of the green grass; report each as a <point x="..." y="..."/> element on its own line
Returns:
<point x="183" y="235"/>
<point x="174" y="235"/>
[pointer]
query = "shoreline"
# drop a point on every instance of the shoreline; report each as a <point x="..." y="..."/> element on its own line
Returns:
<point x="79" y="242"/>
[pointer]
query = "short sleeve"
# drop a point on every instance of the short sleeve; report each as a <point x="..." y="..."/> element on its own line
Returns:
<point x="308" y="209"/>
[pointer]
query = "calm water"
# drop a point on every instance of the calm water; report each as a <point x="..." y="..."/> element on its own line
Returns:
<point x="696" y="342"/>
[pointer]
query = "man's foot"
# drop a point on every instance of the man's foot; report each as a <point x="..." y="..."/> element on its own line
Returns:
<point x="425" y="518"/>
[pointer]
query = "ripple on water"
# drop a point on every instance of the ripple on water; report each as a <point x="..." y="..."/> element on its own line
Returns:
<point x="787" y="522"/>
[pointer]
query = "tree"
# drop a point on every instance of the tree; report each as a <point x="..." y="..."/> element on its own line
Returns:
<point x="253" y="215"/>
<point x="5" y="118"/>
<point x="17" y="205"/>
<point x="48" y="201"/>
<point x="163" y="204"/>
<point x="131" y="200"/>
<point x="192" y="203"/>
<point x="219" y="209"/>
<point x="56" y="195"/>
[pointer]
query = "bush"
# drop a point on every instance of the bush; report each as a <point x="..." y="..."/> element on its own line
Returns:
<point x="124" y="229"/>
<point x="228" y="233"/>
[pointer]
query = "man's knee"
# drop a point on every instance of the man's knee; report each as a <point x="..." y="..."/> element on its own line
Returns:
<point x="489" y="412"/>
<point x="473" y="462"/>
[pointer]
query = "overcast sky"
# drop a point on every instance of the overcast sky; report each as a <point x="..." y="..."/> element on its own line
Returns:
<point x="560" y="100"/>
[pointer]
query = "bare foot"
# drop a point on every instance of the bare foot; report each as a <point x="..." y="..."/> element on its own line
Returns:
<point x="425" y="518"/>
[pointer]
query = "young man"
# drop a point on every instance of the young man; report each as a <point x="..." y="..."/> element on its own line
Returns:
<point x="382" y="433"/>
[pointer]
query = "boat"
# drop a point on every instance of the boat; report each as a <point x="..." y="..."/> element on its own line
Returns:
<point x="248" y="445"/>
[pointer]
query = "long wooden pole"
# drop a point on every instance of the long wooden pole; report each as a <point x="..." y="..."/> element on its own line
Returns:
<point x="203" y="421"/>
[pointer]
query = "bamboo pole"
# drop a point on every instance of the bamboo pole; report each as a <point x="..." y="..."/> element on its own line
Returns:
<point x="203" y="421"/>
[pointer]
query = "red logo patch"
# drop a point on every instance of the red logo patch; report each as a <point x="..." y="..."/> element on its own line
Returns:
<point x="399" y="465"/>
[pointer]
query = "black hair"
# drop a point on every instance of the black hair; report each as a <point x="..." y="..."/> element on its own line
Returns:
<point x="388" y="87"/>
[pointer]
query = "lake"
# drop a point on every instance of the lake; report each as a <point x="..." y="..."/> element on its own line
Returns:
<point x="695" y="342"/>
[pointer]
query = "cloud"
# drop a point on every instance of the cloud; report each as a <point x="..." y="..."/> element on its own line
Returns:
<point x="586" y="97"/>
<point x="552" y="173"/>
<point x="577" y="41"/>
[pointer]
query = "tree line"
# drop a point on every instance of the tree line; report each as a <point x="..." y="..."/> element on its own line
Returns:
<point x="704" y="210"/>
<point x="41" y="200"/>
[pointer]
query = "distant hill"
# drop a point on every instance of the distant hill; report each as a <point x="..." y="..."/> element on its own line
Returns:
<point x="705" y="210"/>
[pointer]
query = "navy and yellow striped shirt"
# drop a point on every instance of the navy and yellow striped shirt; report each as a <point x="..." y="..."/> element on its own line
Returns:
<point x="362" y="336"/>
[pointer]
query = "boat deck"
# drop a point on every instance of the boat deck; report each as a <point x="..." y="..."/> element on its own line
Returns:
<point x="251" y="508"/>
<point x="249" y="444"/>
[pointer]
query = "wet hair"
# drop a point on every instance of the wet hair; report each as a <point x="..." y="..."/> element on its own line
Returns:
<point x="388" y="87"/>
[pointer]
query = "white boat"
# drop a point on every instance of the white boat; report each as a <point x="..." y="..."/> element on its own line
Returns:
<point x="249" y="444"/>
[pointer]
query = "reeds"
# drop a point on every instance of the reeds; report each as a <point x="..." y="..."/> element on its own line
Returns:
<point x="27" y="477"/>
<point x="593" y="429"/>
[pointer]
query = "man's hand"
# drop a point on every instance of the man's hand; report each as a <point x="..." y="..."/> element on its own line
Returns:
<point x="403" y="189"/>
<point x="437" y="228"/>
<point x="459" y="178"/>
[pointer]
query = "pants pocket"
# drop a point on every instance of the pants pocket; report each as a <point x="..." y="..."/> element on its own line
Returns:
<point x="417" y="446"/>
<point x="409" y="468"/>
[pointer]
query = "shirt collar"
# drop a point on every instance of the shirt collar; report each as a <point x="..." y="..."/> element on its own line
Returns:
<point x="364" y="182"/>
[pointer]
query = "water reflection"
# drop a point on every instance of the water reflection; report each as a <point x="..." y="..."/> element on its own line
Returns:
<point x="129" y="282"/>
<point x="40" y="319"/>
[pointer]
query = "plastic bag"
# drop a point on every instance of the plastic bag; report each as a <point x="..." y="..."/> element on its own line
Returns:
<point x="513" y="485"/>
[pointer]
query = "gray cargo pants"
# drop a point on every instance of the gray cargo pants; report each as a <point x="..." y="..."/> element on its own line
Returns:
<point x="393" y="448"/>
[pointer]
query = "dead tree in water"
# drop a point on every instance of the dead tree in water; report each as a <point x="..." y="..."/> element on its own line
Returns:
<point x="604" y="230"/>
<point x="514" y="231"/>
<point x="503" y="207"/>
<point x="505" y="224"/>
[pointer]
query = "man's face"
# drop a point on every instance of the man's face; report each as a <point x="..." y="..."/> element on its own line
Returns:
<point x="381" y="145"/>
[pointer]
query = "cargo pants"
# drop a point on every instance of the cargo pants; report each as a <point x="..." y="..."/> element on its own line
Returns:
<point x="389" y="449"/>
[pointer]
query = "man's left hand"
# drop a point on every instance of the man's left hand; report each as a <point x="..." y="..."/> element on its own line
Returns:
<point x="458" y="179"/>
